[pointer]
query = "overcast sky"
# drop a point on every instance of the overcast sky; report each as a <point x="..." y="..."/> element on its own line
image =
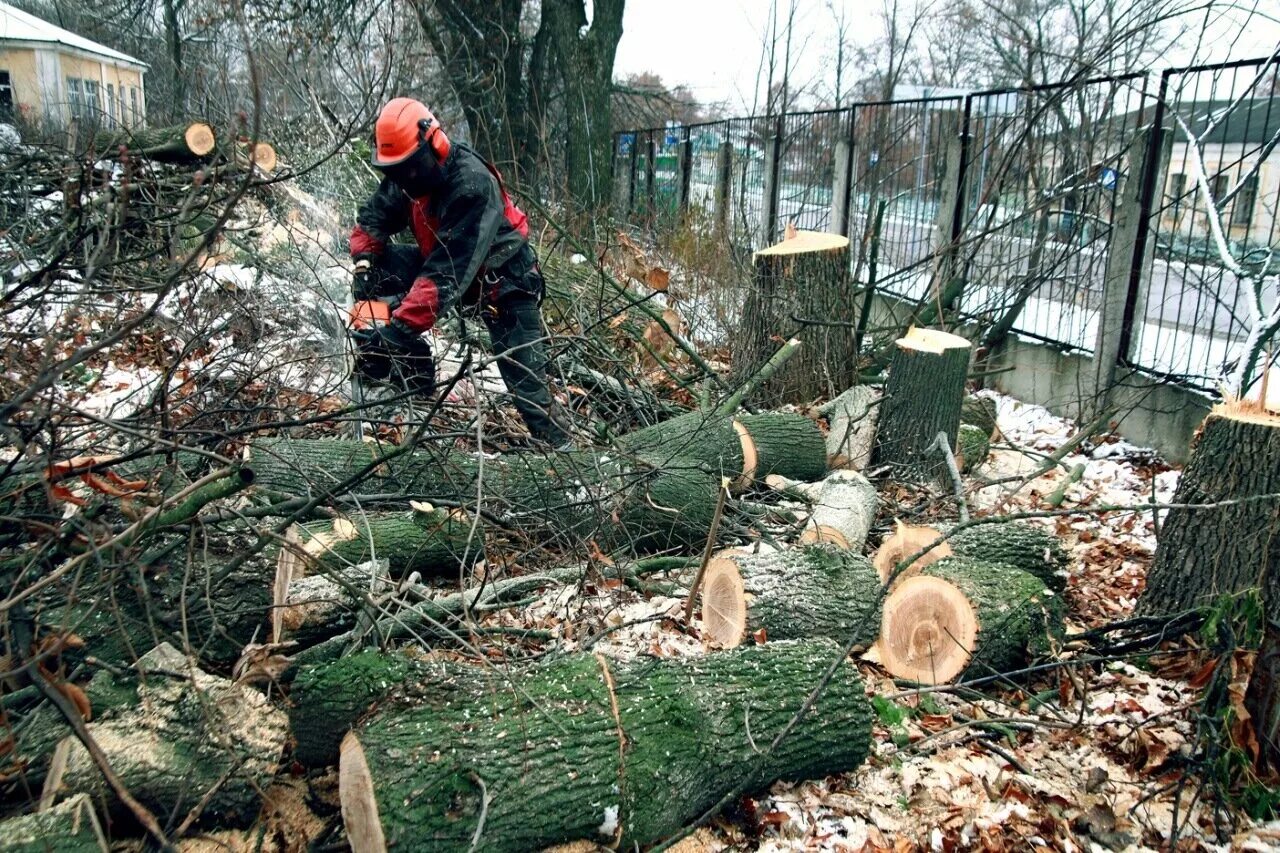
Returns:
<point x="714" y="46"/>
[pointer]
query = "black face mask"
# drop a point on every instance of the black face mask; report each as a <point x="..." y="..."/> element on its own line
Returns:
<point x="418" y="175"/>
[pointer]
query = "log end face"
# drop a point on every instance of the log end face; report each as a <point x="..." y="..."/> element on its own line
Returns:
<point x="724" y="603"/>
<point x="906" y="541"/>
<point x="928" y="631"/>
<point x="200" y="138"/>
<point x="355" y="795"/>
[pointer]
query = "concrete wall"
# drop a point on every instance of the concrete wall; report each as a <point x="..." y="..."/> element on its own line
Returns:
<point x="1151" y="414"/>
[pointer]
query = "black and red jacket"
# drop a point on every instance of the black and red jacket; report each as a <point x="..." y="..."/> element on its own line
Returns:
<point x="466" y="227"/>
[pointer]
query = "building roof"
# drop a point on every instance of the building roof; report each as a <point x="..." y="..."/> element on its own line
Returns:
<point x="19" y="26"/>
<point x="1251" y="121"/>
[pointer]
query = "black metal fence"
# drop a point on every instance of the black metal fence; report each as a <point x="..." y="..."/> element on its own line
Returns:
<point x="1021" y="209"/>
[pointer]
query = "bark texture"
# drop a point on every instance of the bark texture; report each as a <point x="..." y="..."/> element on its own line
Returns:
<point x="799" y="295"/>
<point x="68" y="827"/>
<point x="922" y="398"/>
<point x="1028" y="547"/>
<point x="434" y="544"/>
<point x="851" y="427"/>
<point x="582" y="747"/>
<point x="1205" y="553"/>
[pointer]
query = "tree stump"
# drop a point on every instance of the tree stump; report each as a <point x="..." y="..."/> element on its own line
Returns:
<point x="922" y="397"/>
<point x="583" y="747"/>
<point x="816" y="591"/>
<point x="1224" y="550"/>
<point x="802" y="289"/>
<point x="962" y="616"/>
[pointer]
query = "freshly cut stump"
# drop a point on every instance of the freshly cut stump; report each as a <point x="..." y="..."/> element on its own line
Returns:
<point x="1228" y="548"/>
<point x="583" y="747"/>
<point x="905" y="542"/>
<point x="815" y="591"/>
<point x="922" y="398"/>
<point x="961" y="616"/>
<point x="800" y="284"/>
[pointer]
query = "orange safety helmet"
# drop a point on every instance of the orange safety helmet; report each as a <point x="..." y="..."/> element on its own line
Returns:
<point x="403" y="127"/>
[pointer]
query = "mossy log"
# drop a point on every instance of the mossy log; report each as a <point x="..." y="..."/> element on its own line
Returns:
<point x="184" y="143"/>
<point x="582" y="747"/>
<point x="1233" y="545"/>
<point x="973" y="446"/>
<point x="815" y="591"/>
<point x="431" y="542"/>
<point x="193" y="742"/>
<point x="980" y="412"/>
<point x="965" y="617"/>
<point x="619" y="501"/>
<point x="745" y="449"/>
<point x="68" y="827"/>
<point x="922" y="398"/>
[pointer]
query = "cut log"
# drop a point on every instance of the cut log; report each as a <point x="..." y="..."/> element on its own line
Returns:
<point x="922" y="398"/>
<point x="904" y="543"/>
<point x="431" y="542"/>
<point x="193" y="742"/>
<point x="748" y="448"/>
<point x="177" y="144"/>
<point x="851" y="427"/>
<point x="973" y="446"/>
<point x="325" y="700"/>
<point x="1222" y="550"/>
<point x="844" y="505"/>
<point x="961" y="616"/>
<point x="786" y="444"/>
<point x="816" y="591"/>
<point x="801" y="285"/>
<point x="1028" y="547"/>
<point x="69" y="827"/>
<point x="582" y="747"/>
<point x="981" y="412"/>
<point x="562" y="495"/>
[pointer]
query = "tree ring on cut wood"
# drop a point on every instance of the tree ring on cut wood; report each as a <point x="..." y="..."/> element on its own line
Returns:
<point x="933" y="341"/>
<point x="928" y="631"/>
<point x="724" y="603"/>
<point x="905" y="541"/>
<point x="200" y="138"/>
<point x="824" y="534"/>
<point x="749" y="456"/>
<point x="806" y="241"/>
<point x="356" y="798"/>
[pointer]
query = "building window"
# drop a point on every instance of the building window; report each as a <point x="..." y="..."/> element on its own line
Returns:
<point x="74" y="99"/>
<point x="6" y="96"/>
<point x="133" y="106"/>
<point x="1218" y="185"/>
<point x="111" y="105"/>
<point x="92" y="103"/>
<point x="1246" y="199"/>
<point x="1177" y="185"/>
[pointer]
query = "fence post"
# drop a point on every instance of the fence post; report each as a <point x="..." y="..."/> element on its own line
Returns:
<point x="841" y="187"/>
<point x="631" y="172"/>
<point x="950" y="217"/>
<point x="686" y="171"/>
<point x="772" y="171"/>
<point x="1129" y="261"/>
<point x="650" y="167"/>
<point x="724" y="178"/>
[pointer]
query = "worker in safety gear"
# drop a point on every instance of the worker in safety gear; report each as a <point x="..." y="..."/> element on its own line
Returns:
<point x="472" y="250"/>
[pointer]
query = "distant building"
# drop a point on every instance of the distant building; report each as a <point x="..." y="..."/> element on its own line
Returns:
<point x="50" y="76"/>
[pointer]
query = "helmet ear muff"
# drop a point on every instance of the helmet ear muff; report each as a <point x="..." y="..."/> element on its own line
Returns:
<point x="429" y="133"/>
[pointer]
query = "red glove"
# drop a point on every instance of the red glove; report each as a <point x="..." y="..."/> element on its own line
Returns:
<point x="421" y="305"/>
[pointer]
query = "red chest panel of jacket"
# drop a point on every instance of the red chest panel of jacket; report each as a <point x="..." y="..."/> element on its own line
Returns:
<point x="425" y="224"/>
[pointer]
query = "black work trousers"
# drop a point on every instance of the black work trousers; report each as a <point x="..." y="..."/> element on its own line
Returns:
<point x="510" y="312"/>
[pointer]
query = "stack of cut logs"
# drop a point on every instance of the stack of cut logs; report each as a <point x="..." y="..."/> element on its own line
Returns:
<point x="187" y="143"/>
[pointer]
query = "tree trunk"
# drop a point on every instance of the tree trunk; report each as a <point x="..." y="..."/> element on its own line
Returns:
<point x="582" y="747"/>
<point x="801" y="290"/>
<point x="183" y="143"/>
<point x="1225" y="550"/>
<point x="816" y="591"/>
<point x="961" y="616"/>
<point x="922" y="398"/>
<point x="204" y="743"/>
<point x="69" y="827"/>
